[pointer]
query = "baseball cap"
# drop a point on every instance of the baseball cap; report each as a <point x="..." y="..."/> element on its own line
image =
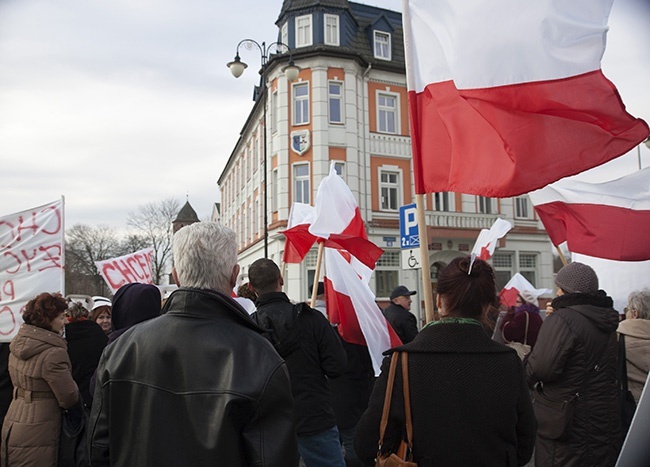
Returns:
<point x="401" y="291"/>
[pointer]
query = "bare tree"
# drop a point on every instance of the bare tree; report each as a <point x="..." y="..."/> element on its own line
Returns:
<point x="84" y="246"/>
<point x="153" y="222"/>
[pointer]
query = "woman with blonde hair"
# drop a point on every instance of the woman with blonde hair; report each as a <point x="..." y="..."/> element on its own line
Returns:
<point x="41" y="373"/>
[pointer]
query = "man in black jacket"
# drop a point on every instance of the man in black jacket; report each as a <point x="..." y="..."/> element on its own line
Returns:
<point x="399" y="316"/>
<point x="313" y="352"/>
<point x="199" y="385"/>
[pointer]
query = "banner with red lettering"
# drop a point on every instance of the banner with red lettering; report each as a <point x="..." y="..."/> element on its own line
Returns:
<point x="31" y="261"/>
<point x="127" y="269"/>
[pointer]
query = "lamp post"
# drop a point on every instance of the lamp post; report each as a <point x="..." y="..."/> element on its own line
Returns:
<point x="291" y="71"/>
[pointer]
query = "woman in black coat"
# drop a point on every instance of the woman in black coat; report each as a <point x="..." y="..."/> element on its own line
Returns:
<point x="469" y="400"/>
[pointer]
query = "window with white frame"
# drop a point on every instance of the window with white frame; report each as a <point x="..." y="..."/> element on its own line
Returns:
<point x="389" y="186"/>
<point x="387" y="113"/>
<point x="443" y="201"/>
<point x="301" y="183"/>
<point x="503" y="271"/>
<point x="387" y="273"/>
<point x="284" y="34"/>
<point x="523" y="209"/>
<point x="335" y="101"/>
<point x="528" y="266"/>
<point x="255" y="218"/>
<point x="310" y="266"/>
<point x="485" y="205"/>
<point x="331" y="29"/>
<point x="303" y="31"/>
<point x="301" y="103"/>
<point x="339" y="168"/>
<point x="275" y="190"/>
<point x="382" y="45"/>
<point x="274" y="111"/>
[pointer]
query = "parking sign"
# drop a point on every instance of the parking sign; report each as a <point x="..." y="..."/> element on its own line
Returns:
<point x="408" y="227"/>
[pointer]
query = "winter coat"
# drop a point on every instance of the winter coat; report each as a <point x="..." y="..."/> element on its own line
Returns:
<point x="469" y="401"/>
<point x="86" y="341"/>
<point x="637" y="353"/>
<point x="313" y="352"/>
<point x="40" y="370"/>
<point x="514" y="325"/>
<point x="197" y="386"/>
<point x="402" y="321"/>
<point x="6" y="388"/>
<point x="576" y="353"/>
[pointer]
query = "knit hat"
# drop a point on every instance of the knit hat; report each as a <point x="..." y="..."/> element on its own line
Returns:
<point x="577" y="278"/>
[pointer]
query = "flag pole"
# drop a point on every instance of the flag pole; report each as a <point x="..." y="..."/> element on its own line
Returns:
<point x="314" y="287"/>
<point x="424" y="260"/>
<point x="562" y="257"/>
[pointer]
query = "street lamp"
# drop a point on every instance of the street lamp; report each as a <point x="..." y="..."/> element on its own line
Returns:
<point x="290" y="71"/>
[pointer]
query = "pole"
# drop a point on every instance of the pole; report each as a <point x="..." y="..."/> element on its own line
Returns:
<point x="264" y="183"/>
<point x="638" y="153"/>
<point x="430" y="313"/>
<point x="314" y="287"/>
<point x="564" y="262"/>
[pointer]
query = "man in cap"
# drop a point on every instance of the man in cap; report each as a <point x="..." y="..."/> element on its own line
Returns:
<point x="399" y="316"/>
<point x="573" y="367"/>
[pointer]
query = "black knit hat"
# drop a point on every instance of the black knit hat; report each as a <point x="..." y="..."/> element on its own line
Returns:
<point x="577" y="278"/>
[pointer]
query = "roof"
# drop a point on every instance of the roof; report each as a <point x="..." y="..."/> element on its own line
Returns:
<point x="291" y="5"/>
<point x="187" y="214"/>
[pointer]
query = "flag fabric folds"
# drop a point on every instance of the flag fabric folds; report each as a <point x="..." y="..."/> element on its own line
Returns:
<point x="607" y="220"/>
<point x="351" y="305"/>
<point x="515" y="286"/>
<point x="508" y="96"/>
<point x="487" y="239"/>
<point x="298" y="240"/>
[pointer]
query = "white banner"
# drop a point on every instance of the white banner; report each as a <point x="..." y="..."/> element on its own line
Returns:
<point x="31" y="261"/>
<point x="127" y="269"/>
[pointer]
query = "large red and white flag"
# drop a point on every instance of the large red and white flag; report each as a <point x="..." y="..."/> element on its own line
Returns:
<point x="516" y="286"/>
<point x="298" y="240"/>
<point x="31" y="261"/>
<point x="507" y="96"/>
<point x="351" y="305"/>
<point x="127" y="269"/>
<point x="487" y="239"/>
<point x="607" y="220"/>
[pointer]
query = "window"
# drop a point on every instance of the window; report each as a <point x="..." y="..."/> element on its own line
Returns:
<point x="522" y="208"/>
<point x="339" y="167"/>
<point x="274" y="111"/>
<point x="527" y="266"/>
<point x="284" y="34"/>
<point x="387" y="113"/>
<point x="275" y="190"/>
<point x="301" y="183"/>
<point x="387" y="273"/>
<point x="310" y="265"/>
<point x="382" y="45"/>
<point x="485" y="205"/>
<point x="301" y="104"/>
<point x="502" y="263"/>
<point x="331" y="30"/>
<point x="443" y="201"/>
<point x="303" y="31"/>
<point x="335" y="100"/>
<point x="389" y="189"/>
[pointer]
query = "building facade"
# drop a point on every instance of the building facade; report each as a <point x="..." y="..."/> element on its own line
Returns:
<point x="349" y="105"/>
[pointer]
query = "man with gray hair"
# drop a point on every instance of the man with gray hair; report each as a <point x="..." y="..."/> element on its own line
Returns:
<point x="198" y="385"/>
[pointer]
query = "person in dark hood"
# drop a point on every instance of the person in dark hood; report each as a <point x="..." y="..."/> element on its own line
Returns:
<point x="133" y="304"/>
<point x="573" y="369"/>
<point x="86" y="341"/>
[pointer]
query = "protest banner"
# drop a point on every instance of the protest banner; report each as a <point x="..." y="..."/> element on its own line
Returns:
<point x="31" y="261"/>
<point x="127" y="269"/>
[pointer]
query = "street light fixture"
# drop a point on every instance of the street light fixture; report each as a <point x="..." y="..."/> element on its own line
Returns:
<point x="290" y="71"/>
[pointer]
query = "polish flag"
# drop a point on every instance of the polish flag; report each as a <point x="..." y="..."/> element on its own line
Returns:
<point x="515" y="286"/>
<point x="487" y="239"/>
<point x="507" y="96"/>
<point x="337" y="212"/>
<point x="351" y="305"/>
<point x="298" y="240"/>
<point x="607" y="220"/>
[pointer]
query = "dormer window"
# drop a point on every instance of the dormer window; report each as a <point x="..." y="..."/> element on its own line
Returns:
<point x="303" y="31"/>
<point x="284" y="34"/>
<point x="331" y="29"/>
<point x="382" y="45"/>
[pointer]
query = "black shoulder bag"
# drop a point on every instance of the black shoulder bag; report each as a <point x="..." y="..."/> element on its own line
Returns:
<point x="625" y="397"/>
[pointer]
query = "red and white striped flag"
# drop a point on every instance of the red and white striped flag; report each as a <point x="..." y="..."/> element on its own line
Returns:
<point x="516" y="286"/>
<point x="487" y="239"/>
<point x="507" y="96"/>
<point x="298" y="240"/>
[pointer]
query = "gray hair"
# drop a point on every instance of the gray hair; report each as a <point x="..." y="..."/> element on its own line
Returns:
<point x="639" y="300"/>
<point x="205" y="254"/>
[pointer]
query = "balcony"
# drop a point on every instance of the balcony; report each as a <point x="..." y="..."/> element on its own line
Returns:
<point x="460" y="220"/>
<point x="390" y="145"/>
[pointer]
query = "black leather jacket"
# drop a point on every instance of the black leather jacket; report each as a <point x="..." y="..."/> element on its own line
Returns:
<point x="198" y="386"/>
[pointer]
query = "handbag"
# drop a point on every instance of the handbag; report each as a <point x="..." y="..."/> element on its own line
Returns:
<point x="554" y="419"/>
<point x="73" y="450"/>
<point x="625" y="397"/>
<point x="403" y="457"/>
<point x="522" y="349"/>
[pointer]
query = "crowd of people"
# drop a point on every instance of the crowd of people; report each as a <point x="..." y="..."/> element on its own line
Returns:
<point x="210" y="380"/>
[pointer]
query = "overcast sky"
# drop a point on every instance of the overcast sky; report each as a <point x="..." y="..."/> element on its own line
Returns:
<point x="117" y="103"/>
